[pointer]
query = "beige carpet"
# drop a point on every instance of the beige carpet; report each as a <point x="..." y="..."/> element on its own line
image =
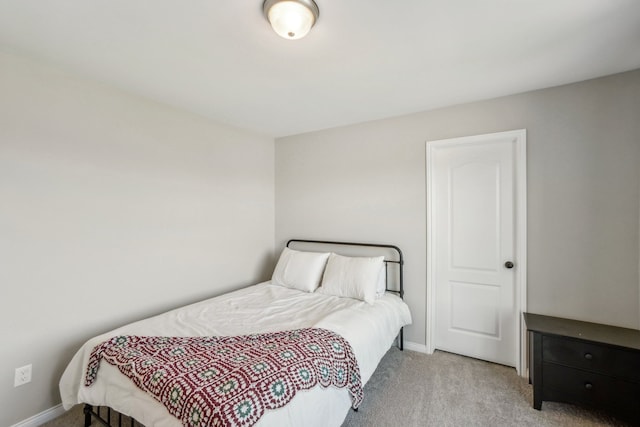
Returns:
<point x="443" y="389"/>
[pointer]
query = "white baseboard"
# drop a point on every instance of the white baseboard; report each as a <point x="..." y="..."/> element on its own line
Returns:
<point x="420" y="348"/>
<point x="42" y="417"/>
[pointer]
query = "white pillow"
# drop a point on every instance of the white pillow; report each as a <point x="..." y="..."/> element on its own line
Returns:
<point x="352" y="277"/>
<point x="299" y="270"/>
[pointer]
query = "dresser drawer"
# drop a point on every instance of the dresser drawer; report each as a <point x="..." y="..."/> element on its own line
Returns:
<point x="598" y="358"/>
<point x="583" y="387"/>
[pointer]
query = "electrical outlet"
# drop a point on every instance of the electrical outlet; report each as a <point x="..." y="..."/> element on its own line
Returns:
<point x="23" y="375"/>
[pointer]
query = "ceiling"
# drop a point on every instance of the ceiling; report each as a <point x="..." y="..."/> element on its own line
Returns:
<point x="364" y="59"/>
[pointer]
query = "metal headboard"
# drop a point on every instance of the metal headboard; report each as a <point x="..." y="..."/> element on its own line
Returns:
<point x="399" y="261"/>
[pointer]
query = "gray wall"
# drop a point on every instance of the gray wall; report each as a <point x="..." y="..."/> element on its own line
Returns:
<point x="113" y="208"/>
<point x="366" y="182"/>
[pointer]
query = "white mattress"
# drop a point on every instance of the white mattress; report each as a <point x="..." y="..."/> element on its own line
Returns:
<point x="369" y="328"/>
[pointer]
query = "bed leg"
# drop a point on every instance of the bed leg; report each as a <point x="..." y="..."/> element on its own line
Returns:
<point x="401" y="339"/>
<point x="87" y="415"/>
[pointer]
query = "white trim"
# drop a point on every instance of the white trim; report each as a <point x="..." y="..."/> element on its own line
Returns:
<point x="414" y="346"/>
<point x="520" y="244"/>
<point x="430" y="304"/>
<point x="42" y="417"/>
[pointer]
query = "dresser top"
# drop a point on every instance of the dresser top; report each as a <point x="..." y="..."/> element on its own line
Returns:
<point x="614" y="335"/>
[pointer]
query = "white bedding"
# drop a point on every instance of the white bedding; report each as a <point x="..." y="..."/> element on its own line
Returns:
<point x="369" y="328"/>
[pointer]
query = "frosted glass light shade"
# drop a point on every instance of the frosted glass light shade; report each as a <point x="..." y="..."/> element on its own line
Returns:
<point x="291" y="19"/>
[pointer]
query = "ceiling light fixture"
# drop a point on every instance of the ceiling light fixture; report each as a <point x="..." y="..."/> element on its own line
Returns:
<point x="291" y="19"/>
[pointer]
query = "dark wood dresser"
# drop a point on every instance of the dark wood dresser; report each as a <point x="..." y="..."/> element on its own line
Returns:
<point x="584" y="363"/>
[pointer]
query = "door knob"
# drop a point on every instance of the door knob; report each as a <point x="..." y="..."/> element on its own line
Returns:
<point x="508" y="264"/>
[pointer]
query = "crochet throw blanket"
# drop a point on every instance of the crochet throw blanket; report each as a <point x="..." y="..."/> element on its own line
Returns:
<point x="231" y="381"/>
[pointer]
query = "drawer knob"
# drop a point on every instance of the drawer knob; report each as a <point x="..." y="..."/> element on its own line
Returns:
<point x="588" y="356"/>
<point x="588" y="386"/>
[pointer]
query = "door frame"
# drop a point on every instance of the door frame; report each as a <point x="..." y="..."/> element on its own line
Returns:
<point x="520" y="163"/>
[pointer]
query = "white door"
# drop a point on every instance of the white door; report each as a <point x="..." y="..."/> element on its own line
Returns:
<point x="473" y="228"/>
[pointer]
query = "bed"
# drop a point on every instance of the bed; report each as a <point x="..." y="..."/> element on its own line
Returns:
<point x="358" y="299"/>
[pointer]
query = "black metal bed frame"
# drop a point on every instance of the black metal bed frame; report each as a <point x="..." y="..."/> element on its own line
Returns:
<point x="91" y="413"/>
<point x="95" y="413"/>
<point x="399" y="262"/>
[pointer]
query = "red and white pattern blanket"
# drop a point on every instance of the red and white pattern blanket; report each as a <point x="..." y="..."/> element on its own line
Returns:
<point x="231" y="381"/>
